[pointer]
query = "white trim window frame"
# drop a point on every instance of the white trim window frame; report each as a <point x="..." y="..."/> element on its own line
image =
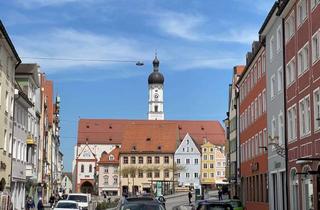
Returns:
<point x="315" y="46"/>
<point x="272" y="86"/>
<point x="302" y="12"/>
<point x="264" y="101"/>
<point x="292" y="122"/>
<point x="291" y="72"/>
<point x="271" y="48"/>
<point x="280" y="79"/>
<point x="290" y="26"/>
<point x="316" y="107"/>
<point x="280" y="128"/>
<point x="304" y="116"/>
<point x="279" y="38"/>
<point x="303" y="59"/>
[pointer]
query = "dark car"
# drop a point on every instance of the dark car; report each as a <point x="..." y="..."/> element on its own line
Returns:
<point x="213" y="205"/>
<point x="139" y="202"/>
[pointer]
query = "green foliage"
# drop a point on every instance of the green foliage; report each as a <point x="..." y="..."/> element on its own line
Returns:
<point x="105" y="205"/>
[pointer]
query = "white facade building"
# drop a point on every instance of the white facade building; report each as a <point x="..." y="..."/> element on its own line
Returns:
<point x="188" y="157"/>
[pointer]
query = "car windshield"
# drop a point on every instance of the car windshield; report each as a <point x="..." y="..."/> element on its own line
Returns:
<point x="67" y="205"/>
<point x="214" y="207"/>
<point x="78" y="198"/>
<point x="235" y="203"/>
<point x="139" y="206"/>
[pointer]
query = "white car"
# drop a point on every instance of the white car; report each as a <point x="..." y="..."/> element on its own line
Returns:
<point x="66" y="205"/>
<point x="81" y="198"/>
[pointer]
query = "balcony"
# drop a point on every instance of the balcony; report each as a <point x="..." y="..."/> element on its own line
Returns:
<point x="31" y="171"/>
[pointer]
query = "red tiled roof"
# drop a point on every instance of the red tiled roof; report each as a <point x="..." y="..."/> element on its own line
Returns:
<point x="105" y="157"/>
<point x="111" y="131"/>
<point x="150" y="137"/>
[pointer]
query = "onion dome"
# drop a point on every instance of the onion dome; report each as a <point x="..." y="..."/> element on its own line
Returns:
<point x="156" y="77"/>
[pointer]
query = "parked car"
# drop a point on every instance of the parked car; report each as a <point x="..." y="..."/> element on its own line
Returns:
<point x="81" y="198"/>
<point x="140" y="202"/>
<point x="213" y="205"/>
<point x="66" y="205"/>
<point x="235" y="203"/>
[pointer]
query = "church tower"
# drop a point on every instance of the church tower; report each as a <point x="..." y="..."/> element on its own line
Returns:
<point x="155" y="83"/>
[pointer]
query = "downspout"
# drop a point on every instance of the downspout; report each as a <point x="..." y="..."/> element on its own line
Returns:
<point x="285" y="114"/>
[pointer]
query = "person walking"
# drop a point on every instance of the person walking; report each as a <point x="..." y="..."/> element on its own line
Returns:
<point x="40" y="204"/>
<point x="220" y="194"/>
<point x="51" y="200"/>
<point x="190" y="196"/>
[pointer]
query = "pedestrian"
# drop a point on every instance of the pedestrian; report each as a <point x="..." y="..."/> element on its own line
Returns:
<point x="190" y="196"/>
<point x="40" y="204"/>
<point x="220" y="194"/>
<point x="51" y="200"/>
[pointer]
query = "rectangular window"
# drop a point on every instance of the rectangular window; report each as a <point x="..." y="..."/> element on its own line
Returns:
<point x="316" y="46"/>
<point x="166" y="174"/>
<point x="7" y="102"/>
<point x="259" y="105"/>
<point x="279" y="38"/>
<point x="271" y="48"/>
<point x="5" y="140"/>
<point x="196" y="161"/>
<point x="166" y="159"/>
<point x="149" y="160"/>
<point x="302" y="11"/>
<point x="178" y="161"/>
<point x="205" y="165"/>
<point x="281" y="129"/>
<point x="316" y="101"/>
<point x="125" y="160"/>
<point x="272" y="86"/>
<point x="211" y="165"/>
<point x="291" y="71"/>
<point x="264" y="105"/>
<point x="280" y="79"/>
<point x="140" y="160"/>
<point x="292" y="123"/>
<point x="156" y="159"/>
<point x="265" y="138"/>
<point x="187" y="175"/>
<point x="259" y="68"/>
<point x="289" y="26"/>
<point x="196" y="175"/>
<point x="263" y="64"/>
<point x="156" y="174"/>
<point x="303" y="63"/>
<point x="188" y="161"/>
<point x="304" y="116"/>
<point x="133" y="160"/>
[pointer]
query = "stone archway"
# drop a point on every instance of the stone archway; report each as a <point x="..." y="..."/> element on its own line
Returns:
<point x="86" y="187"/>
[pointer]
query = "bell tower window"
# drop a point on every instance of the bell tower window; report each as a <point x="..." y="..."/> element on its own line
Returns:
<point x="156" y="108"/>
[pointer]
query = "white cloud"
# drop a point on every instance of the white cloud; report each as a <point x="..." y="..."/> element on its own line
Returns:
<point x="69" y="43"/>
<point x="180" y="25"/>
<point x="191" y="27"/>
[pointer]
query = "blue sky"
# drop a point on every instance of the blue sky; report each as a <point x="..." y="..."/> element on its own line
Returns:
<point x="198" y="43"/>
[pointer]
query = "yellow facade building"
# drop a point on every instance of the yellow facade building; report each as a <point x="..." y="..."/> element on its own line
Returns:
<point x="212" y="165"/>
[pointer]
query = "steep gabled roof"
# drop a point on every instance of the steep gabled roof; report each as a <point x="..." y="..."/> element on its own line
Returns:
<point x="105" y="157"/>
<point x="111" y="131"/>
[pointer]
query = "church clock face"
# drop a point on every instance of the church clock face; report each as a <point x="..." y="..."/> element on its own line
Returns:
<point x="156" y="96"/>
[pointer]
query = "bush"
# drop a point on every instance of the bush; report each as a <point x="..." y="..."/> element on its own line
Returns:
<point x="104" y="205"/>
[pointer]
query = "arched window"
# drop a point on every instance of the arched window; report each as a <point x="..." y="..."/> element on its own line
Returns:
<point x="82" y="168"/>
<point x="307" y="189"/>
<point x="294" y="190"/>
<point x="90" y="168"/>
